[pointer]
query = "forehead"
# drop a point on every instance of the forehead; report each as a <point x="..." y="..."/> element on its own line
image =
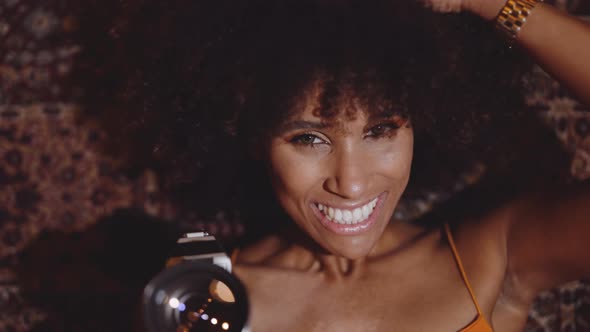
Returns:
<point x="341" y="100"/>
<point x="327" y="100"/>
<point x="347" y="108"/>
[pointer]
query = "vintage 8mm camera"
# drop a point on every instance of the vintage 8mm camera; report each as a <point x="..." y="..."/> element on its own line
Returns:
<point x="196" y="292"/>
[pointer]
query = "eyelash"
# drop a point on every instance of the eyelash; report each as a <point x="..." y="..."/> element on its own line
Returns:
<point x="388" y="130"/>
<point x="299" y="139"/>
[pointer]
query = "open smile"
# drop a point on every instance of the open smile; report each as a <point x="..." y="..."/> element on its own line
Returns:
<point x="349" y="221"/>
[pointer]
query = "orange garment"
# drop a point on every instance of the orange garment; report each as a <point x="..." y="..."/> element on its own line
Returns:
<point x="479" y="324"/>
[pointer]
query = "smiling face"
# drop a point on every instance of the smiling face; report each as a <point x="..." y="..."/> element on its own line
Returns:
<point x="340" y="179"/>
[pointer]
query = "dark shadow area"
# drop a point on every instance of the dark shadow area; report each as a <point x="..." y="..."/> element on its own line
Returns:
<point x="92" y="280"/>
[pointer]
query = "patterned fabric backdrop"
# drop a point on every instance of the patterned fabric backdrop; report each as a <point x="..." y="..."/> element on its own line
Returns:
<point x="52" y="176"/>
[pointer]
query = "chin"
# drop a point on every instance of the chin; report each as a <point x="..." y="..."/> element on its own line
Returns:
<point x="354" y="255"/>
<point x="350" y="248"/>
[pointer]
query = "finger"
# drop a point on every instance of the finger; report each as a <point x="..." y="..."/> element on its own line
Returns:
<point x="444" y="6"/>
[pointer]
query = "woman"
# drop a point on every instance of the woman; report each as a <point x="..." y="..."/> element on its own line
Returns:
<point x="377" y="275"/>
<point x="335" y="102"/>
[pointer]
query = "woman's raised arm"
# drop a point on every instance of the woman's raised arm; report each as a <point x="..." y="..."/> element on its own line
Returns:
<point x="558" y="42"/>
<point x="547" y="235"/>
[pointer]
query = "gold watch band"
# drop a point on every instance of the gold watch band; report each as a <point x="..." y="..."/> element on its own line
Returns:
<point x="513" y="16"/>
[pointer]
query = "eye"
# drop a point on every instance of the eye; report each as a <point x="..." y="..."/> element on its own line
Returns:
<point x="382" y="129"/>
<point x="307" y="139"/>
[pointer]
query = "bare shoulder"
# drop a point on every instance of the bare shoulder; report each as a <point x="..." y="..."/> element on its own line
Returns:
<point x="490" y="261"/>
<point x="482" y="246"/>
<point x="276" y="252"/>
<point x="260" y="251"/>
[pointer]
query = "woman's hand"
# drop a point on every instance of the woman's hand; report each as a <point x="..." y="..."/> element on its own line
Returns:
<point x="487" y="9"/>
<point x="445" y="6"/>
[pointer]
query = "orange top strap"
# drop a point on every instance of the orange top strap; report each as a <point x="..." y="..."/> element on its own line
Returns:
<point x="461" y="269"/>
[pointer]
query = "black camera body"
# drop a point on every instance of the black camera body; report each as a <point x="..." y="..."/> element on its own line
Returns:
<point x="196" y="292"/>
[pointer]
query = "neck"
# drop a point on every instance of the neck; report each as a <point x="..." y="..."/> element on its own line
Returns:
<point x="302" y="253"/>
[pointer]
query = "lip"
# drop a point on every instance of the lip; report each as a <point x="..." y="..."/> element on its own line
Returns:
<point x="349" y="206"/>
<point x="344" y="229"/>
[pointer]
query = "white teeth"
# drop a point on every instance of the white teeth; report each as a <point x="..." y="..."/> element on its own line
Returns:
<point x="357" y="215"/>
<point x="338" y="215"/>
<point x="348" y="217"/>
<point x="366" y="211"/>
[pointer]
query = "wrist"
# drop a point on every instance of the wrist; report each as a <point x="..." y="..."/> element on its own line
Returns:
<point x="486" y="9"/>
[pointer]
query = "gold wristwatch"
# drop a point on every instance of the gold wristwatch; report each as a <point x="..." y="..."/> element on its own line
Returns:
<point x="513" y="16"/>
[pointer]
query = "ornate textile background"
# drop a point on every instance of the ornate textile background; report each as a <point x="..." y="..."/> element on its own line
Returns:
<point x="52" y="176"/>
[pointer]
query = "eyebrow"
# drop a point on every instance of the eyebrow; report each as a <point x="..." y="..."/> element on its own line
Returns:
<point x="301" y="124"/>
<point x="385" y="115"/>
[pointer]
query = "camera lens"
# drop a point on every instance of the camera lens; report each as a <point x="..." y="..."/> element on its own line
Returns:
<point x="194" y="296"/>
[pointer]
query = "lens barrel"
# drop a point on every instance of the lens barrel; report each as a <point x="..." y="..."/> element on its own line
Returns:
<point x="195" y="296"/>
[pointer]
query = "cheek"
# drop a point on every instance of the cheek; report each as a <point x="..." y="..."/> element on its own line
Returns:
<point x="394" y="161"/>
<point x="292" y="174"/>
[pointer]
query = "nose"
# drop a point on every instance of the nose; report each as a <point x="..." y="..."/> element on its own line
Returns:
<point x="349" y="175"/>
